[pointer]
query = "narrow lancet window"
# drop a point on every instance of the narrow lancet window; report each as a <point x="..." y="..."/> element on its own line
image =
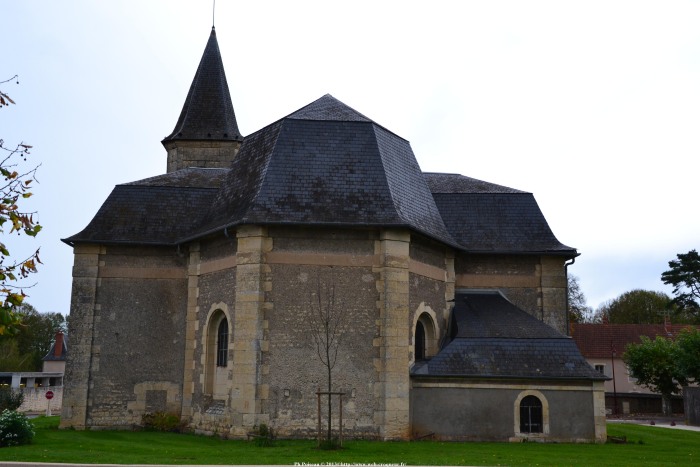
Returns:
<point x="222" y="344"/>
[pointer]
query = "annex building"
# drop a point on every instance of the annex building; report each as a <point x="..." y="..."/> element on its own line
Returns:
<point x="195" y="291"/>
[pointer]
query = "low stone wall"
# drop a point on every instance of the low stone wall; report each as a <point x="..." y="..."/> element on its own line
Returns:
<point x="35" y="400"/>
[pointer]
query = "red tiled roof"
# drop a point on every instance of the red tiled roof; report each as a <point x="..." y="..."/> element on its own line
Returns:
<point x="600" y="340"/>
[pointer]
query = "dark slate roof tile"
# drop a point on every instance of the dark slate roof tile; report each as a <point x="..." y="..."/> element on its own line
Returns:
<point x="193" y="177"/>
<point x="498" y="222"/>
<point x="328" y="108"/>
<point x="51" y="355"/>
<point x="485" y="217"/>
<point x="490" y="314"/>
<point x="511" y="358"/>
<point x="495" y="339"/>
<point x="456" y="183"/>
<point x="326" y="165"/>
<point x="208" y="111"/>
<point x="142" y="214"/>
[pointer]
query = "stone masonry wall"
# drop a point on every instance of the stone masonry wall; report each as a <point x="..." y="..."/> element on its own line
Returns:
<point x="430" y="287"/>
<point x="296" y="372"/>
<point x="138" y="309"/>
<point x="212" y="289"/>
<point x="335" y="265"/>
<point x="80" y="320"/>
<point x="537" y="284"/>
<point x="206" y="154"/>
<point x="488" y="410"/>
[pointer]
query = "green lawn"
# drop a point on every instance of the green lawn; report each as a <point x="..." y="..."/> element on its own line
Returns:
<point x="646" y="446"/>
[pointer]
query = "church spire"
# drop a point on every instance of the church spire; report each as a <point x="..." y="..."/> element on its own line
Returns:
<point x="207" y="115"/>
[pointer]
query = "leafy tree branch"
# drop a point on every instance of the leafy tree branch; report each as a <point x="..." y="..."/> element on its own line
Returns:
<point x="15" y="188"/>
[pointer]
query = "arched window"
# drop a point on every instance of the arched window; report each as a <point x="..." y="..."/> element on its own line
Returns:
<point x="531" y="415"/>
<point x="222" y="343"/>
<point x="216" y="352"/>
<point x="420" y="342"/>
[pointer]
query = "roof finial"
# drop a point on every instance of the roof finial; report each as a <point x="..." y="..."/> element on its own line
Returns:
<point x="213" y="12"/>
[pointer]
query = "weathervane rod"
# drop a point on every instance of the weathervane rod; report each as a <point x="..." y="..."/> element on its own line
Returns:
<point x="213" y="12"/>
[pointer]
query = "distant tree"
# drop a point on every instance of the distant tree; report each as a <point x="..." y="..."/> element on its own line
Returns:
<point x="688" y="356"/>
<point x="654" y="364"/>
<point x="579" y="311"/>
<point x="684" y="276"/>
<point x="11" y="359"/>
<point x="636" y="307"/>
<point x="36" y="333"/>
<point x="14" y="187"/>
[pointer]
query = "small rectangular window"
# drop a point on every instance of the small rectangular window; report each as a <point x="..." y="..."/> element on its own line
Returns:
<point x="600" y="368"/>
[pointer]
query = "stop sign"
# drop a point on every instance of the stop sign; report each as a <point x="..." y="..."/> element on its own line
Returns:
<point x="49" y="395"/>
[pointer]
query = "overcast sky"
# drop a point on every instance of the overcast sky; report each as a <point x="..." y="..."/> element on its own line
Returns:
<point x="592" y="106"/>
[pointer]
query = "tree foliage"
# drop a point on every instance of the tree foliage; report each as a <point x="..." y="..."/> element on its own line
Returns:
<point x="579" y="311"/>
<point x="688" y="353"/>
<point x="25" y="349"/>
<point x="37" y="332"/>
<point x="637" y="307"/>
<point x="654" y="364"/>
<point x="14" y="188"/>
<point x="11" y="359"/>
<point x="684" y="276"/>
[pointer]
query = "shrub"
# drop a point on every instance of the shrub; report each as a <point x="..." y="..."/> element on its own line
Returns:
<point x="161" y="421"/>
<point x="15" y="429"/>
<point x="263" y="436"/>
<point x="330" y="444"/>
<point x="9" y="399"/>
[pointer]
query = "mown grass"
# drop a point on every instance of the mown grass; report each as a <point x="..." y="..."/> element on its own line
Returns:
<point x="646" y="446"/>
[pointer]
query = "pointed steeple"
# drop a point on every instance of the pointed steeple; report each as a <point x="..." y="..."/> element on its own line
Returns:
<point x="207" y="120"/>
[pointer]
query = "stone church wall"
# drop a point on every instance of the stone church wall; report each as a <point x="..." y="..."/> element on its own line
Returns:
<point x="138" y="308"/>
<point x="429" y="290"/>
<point x="306" y="264"/>
<point x="212" y="290"/>
<point x="488" y="410"/>
<point x="215" y="289"/>
<point x="537" y="284"/>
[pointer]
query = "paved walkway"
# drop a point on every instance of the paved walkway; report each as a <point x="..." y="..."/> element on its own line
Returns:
<point x="662" y="423"/>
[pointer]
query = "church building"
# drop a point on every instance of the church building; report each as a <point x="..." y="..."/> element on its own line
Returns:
<point x="197" y="292"/>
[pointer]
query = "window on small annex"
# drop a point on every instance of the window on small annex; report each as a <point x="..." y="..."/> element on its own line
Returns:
<point x="222" y="343"/>
<point x="600" y="368"/>
<point x="420" y="341"/>
<point x="530" y="415"/>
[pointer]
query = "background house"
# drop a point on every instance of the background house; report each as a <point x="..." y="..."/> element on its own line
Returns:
<point x="35" y="384"/>
<point x="603" y="346"/>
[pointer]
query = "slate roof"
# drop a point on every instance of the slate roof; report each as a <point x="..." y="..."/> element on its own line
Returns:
<point x="61" y="357"/>
<point x="158" y="210"/>
<point x="326" y="165"/>
<point x="208" y="111"/>
<point x="599" y="340"/>
<point x="492" y="338"/>
<point x="485" y="217"/>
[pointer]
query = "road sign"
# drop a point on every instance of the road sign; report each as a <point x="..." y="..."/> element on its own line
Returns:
<point x="49" y="395"/>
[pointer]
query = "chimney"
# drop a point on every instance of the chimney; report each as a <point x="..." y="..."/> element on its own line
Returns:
<point x="58" y="346"/>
